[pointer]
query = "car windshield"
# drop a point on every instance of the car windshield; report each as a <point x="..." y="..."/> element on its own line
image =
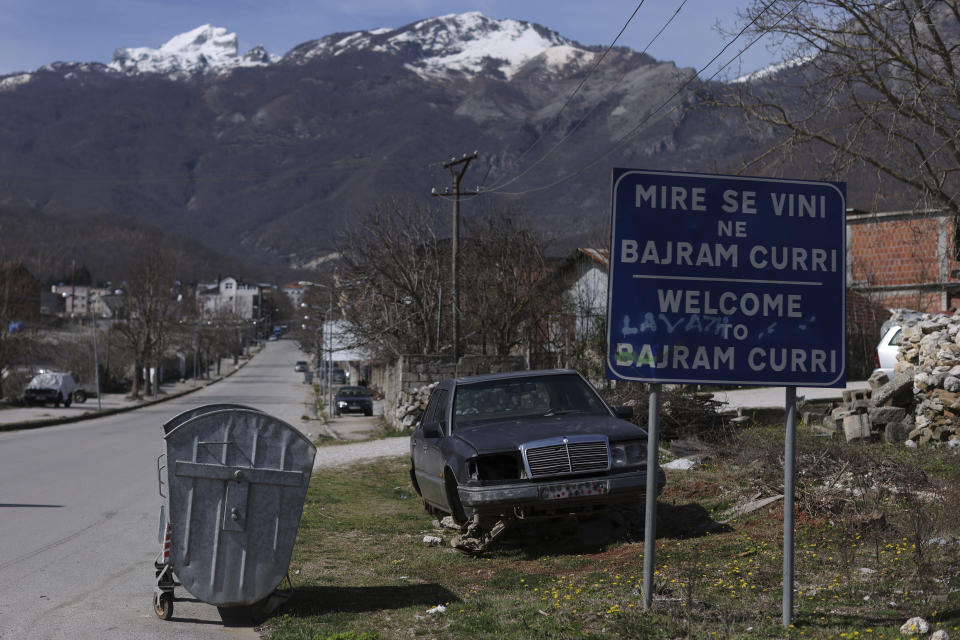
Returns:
<point x="512" y="398"/>
<point x="351" y="393"/>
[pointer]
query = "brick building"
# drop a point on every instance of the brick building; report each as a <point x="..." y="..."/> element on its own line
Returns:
<point x="904" y="259"/>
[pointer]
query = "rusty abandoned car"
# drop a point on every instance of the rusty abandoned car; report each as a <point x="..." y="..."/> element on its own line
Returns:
<point x="495" y="449"/>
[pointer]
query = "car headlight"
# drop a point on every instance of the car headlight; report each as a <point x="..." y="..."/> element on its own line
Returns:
<point x="341" y="403"/>
<point x="631" y="453"/>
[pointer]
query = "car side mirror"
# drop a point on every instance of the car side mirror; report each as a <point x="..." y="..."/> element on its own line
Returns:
<point x="623" y="412"/>
<point x="433" y="430"/>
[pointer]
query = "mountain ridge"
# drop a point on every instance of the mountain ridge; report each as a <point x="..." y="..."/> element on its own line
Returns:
<point x="272" y="161"/>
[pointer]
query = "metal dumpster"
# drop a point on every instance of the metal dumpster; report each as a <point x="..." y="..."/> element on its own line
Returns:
<point x="234" y="480"/>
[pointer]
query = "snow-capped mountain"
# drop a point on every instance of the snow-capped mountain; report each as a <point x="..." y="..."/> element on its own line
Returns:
<point x="456" y="44"/>
<point x="271" y="163"/>
<point x="205" y="49"/>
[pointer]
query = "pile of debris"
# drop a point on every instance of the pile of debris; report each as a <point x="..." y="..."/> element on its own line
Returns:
<point x="929" y="350"/>
<point x="921" y="402"/>
<point x="411" y="404"/>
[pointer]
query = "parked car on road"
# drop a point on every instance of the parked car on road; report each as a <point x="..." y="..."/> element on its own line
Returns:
<point x="886" y="355"/>
<point x="337" y="374"/>
<point x="50" y="387"/>
<point x="352" y="400"/>
<point x="301" y="365"/>
<point x="536" y="444"/>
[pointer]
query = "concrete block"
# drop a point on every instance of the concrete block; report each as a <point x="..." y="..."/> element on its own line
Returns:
<point x="898" y="392"/>
<point x="856" y="427"/>
<point x="838" y="415"/>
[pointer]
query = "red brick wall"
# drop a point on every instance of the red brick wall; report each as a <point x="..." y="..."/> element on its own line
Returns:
<point x="903" y="252"/>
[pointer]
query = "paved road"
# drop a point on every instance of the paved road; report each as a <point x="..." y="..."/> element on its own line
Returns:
<point x="79" y="514"/>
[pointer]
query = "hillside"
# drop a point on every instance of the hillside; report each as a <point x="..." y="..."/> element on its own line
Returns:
<point x="266" y="158"/>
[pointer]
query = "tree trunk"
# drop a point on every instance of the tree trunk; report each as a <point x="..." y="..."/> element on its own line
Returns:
<point x="135" y="387"/>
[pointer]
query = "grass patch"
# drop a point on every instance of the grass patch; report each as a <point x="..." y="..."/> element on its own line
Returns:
<point x="876" y="543"/>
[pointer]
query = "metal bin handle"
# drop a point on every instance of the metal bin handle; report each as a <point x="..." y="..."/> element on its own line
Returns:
<point x="160" y="468"/>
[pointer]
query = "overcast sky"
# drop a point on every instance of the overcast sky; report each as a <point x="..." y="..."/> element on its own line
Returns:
<point x="37" y="32"/>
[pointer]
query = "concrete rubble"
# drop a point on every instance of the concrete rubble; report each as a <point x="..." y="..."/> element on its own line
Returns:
<point x="920" y="403"/>
<point x="411" y="405"/>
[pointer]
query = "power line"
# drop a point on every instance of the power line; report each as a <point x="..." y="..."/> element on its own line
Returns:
<point x="633" y="132"/>
<point x="596" y="64"/>
<point x="595" y="106"/>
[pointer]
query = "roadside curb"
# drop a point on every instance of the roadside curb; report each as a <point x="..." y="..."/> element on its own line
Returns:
<point x="49" y="422"/>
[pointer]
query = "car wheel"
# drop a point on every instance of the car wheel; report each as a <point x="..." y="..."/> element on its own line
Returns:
<point x="80" y="396"/>
<point x="67" y="402"/>
<point x="57" y="400"/>
<point x="453" y="498"/>
<point x="368" y="412"/>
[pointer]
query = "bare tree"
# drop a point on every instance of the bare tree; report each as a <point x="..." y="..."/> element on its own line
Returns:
<point x="870" y="84"/>
<point x="505" y="265"/>
<point x="394" y="268"/>
<point x="149" y="300"/>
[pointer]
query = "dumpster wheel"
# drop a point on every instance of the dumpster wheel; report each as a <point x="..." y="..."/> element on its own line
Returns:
<point x="163" y="605"/>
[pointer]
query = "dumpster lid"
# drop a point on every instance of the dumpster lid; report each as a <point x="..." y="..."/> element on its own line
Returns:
<point x="180" y="418"/>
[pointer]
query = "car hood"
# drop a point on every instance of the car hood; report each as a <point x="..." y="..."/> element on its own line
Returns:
<point x="509" y="435"/>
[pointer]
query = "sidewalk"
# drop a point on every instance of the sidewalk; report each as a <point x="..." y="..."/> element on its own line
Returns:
<point x="769" y="403"/>
<point x="14" y="418"/>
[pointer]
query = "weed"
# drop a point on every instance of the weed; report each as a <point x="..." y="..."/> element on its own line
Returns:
<point x="873" y="547"/>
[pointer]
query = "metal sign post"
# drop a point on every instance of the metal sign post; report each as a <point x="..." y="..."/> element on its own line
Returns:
<point x="650" y="520"/>
<point x="789" y="461"/>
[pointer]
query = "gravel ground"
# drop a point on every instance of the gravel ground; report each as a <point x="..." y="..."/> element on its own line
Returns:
<point x="343" y="455"/>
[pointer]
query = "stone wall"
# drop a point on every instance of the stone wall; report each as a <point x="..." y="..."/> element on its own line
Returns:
<point x="407" y="382"/>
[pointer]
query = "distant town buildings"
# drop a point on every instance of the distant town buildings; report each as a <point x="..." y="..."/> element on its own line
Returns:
<point x="229" y="296"/>
<point x="82" y="300"/>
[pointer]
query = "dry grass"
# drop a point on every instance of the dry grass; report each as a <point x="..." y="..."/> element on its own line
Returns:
<point x="871" y="524"/>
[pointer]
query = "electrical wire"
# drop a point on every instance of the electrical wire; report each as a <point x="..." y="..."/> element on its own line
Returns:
<point x="592" y="109"/>
<point x="633" y="132"/>
<point x="556" y="118"/>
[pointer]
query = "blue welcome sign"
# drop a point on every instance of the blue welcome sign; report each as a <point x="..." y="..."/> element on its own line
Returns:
<point x="726" y="280"/>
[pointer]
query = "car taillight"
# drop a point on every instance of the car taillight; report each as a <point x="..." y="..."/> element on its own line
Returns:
<point x="876" y="359"/>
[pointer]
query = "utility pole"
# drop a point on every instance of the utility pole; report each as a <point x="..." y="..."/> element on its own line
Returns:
<point x="457" y="167"/>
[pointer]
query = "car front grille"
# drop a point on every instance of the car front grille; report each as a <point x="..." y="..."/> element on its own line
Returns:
<point x="564" y="456"/>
